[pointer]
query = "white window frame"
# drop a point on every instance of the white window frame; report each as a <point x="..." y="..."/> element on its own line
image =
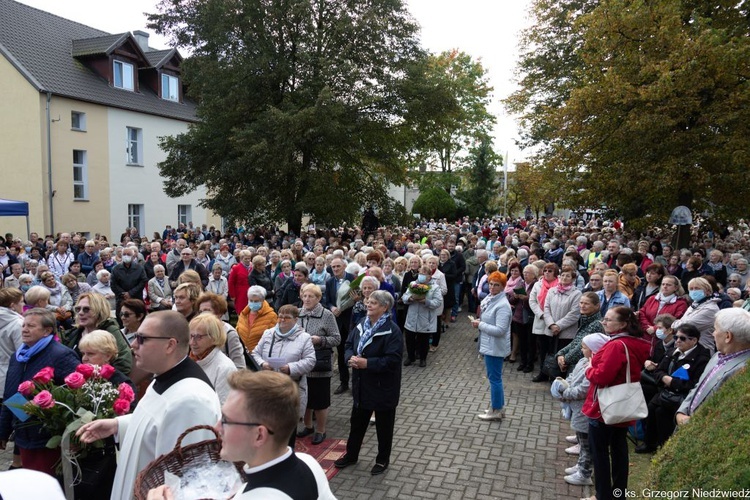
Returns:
<point x="134" y="146"/>
<point x="126" y="73"/>
<point x="170" y="91"/>
<point x="136" y="215"/>
<point x="184" y="214"/>
<point x="81" y="121"/>
<point x="82" y="167"/>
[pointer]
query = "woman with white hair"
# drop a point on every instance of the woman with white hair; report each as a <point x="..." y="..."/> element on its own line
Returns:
<point x="103" y="287"/>
<point x="207" y="338"/>
<point x="257" y="317"/>
<point x="702" y="311"/>
<point x="159" y="290"/>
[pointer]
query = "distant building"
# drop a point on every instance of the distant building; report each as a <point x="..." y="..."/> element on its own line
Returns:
<point x="80" y="117"/>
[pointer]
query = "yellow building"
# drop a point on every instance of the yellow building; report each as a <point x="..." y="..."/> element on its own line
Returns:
<point x="81" y="114"/>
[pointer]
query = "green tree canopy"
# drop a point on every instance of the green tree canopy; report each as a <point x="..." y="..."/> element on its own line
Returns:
<point x="479" y="192"/>
<point x="434" y="203"/>
<point x="300" y="105"/>
<point x="648" y="108"/>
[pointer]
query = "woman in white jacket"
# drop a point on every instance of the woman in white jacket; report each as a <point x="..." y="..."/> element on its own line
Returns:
<point x="494" y="341"/>
<point x="561" y="311"/>
<point x="422" y="316"/>
<point x="207" y="339"/>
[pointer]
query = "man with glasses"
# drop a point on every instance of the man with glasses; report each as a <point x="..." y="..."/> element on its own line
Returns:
<point x="187" y="261"/>
<point x="181" y="396"/>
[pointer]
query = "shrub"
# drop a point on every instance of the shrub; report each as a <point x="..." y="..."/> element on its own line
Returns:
<point x="435" y="203"/>
<point x="711" y="451"/>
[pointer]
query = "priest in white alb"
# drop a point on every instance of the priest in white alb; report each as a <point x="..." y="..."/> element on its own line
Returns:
<point x="180" y="397"/>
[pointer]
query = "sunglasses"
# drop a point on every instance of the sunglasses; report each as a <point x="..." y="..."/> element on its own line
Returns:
<point x="682" y="338"/>
<point x="84" y="309"/>
<point x="143" y="338"/>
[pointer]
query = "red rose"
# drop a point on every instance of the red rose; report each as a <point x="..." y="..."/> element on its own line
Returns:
<point x="121" y="406"/>
<point x="86" y="370"/>
<point x="44" y="400"/>
<point x="75" y="380"/>
<point x="26" y="388"/>
<point x="106" y="371"/>
<point x="44" y="376"/>
<point x="126" y="392"/>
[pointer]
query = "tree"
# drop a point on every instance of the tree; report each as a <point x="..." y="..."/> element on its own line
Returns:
<point x="480" y="192"/>
<point x="654" y="109"/>
<point x="435" y="203"/>
<point x="447" y="97"/>
<point x="300" y="105"/>
<point x="534" y="186"/>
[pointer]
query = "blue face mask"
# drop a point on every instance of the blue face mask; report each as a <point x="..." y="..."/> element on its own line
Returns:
<point x="697" y="295"/>
<point x="422" y="278"/>
<point x="25" y="288"/>
<point x="661" y="334"/>
<point x="255" y="306"/>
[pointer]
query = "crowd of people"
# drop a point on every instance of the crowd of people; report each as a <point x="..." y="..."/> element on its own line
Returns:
<point x="193" y="306"/>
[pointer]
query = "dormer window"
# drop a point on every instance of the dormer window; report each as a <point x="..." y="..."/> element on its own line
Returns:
<point x="170" y="88"/>
<point x="124" y="75"/>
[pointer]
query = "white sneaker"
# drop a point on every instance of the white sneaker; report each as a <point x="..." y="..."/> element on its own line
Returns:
<point x="571" y="439"/>
<point x="491" y="415"/>
<point x="571" y="470"/>
<point x="573" y="450"/>
<point x="578" y="480"/>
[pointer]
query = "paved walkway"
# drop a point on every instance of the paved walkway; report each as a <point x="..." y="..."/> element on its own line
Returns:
<point x="442" y="451"/>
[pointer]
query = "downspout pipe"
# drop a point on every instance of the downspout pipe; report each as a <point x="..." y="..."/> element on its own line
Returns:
<point x="49" y="165"/>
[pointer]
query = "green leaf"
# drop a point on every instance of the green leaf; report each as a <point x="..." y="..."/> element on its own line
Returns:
<point x="54" y="441"/>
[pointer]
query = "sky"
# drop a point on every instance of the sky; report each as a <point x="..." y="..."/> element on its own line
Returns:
<point x="485" y="29"/>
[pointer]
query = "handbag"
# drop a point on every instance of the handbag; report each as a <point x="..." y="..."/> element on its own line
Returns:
<point x="551" y="367"/>
<point x="623" y="402"/>
<point x="323" y="360"/>
<point x="670" y="398"/>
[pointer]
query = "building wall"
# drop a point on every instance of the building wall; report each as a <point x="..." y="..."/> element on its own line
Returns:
<point x="91" y="214"/>
<point x="142" y="185"/>
<point x="20" y="150"/>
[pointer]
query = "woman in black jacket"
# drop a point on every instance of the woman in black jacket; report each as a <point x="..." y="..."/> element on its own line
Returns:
<point x="260" y="276"/>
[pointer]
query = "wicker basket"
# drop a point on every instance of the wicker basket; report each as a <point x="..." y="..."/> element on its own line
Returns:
<point x="152" y="476"/>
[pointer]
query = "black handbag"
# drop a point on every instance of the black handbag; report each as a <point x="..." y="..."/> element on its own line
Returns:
<point x="550" y="367"/>
<point x="671" y="398"/>
<point x="323" y="360"/>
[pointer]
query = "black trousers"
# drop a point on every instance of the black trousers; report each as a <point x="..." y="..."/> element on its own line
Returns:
<point x="527" y="348"/>
<point x="417" y="344"/>
<point x="609" y="453"/>
<point x="342" y="321"/>
<point x="385" y="421"/>
<point x="660" y="422"/>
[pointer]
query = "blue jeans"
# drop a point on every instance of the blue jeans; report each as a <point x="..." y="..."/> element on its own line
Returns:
<point x="457" y="293"/>
<point x="494" y="365"/>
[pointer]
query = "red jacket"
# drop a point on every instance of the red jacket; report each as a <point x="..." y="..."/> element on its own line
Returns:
<point x="238" y="286"/>
<point x="647" y="313"/>
<point x="608" y="368"/>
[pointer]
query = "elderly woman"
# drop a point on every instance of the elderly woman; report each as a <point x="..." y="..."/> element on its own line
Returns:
<point x="91" y="278"/>
<point x="537" y="300"/>
<point x="494" y="341"/>
<point x="216" y="304"/>
<point x="225" y="259"/>
<point x="260" y="276"/>
<point x="523" y="317"/>
<point x="411" y="274"/>
<point x="60" y="260"/>
<point x="238" y="280"/>
<point x="159" y="290"/>
<point x="36" y="296"/>
<point x="207" y="339"/>
<point x="422" y="316"/>
<point x="218" y="284"/>
<point x="515" y="280"/>
<point x="320" y="323"/>
<point x="98" y="467"/>
<point x="74" y="287"/>
<point x="284" y="275"/>
<point x="609" y="443"/>
<point x="589" y="321"/>
<point x="103" y="288"/>
<point x="629" y="280"/>
<point x="373" y="351"/>
<point x="186" y="299"/>
<point x="38" y="350"/>
<point x="290" y="293"/>
<point x="702" y="311"/>
<point x="319" y="275"/>
<point x="483" y="287"/>
<point x="669" y="300"/>
<point x="257" y="317"/>
<point x="93" y="313"/>
<point x="287" y="348"/>
<point x="359" y="310"/>
<point x="561" y="310"/>
<point x="60" y="302"/>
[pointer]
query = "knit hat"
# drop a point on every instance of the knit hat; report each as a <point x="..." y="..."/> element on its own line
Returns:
<point x="595" y="341"/>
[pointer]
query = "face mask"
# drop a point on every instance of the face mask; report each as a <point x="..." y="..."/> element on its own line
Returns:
<point x="127" y="259"/>
<point x="661" y="334"/>
<point x="28" y="249"/>
<point x="25" y="288"/>
<point x="697" y="295"/>
<point x="422" y="278"/>
<point x="255" y="306"/>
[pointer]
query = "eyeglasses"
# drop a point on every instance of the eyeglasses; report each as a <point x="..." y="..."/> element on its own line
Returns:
<point x="84" y="309"/>
<point x="224" y="421"/>
<point x="682" y="338"/>
<point x="142" y="338"/>
<point x="548" y="271"/>
<point x="125" y="315"/>
<point x="197" y="336"/>
<point x="287" y="317"/>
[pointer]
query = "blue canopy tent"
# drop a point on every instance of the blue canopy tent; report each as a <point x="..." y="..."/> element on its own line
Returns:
<point x="12" y="208"/>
